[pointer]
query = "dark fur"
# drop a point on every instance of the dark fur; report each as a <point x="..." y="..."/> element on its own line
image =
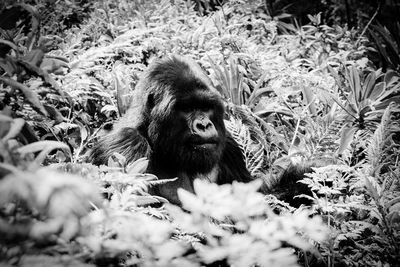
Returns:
<point x="163" y="125"/>
<point x="288" y="186"/>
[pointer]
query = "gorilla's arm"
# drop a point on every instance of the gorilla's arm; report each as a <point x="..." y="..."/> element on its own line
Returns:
<point x="232" y="165"/>
<point x="126" y="141"/>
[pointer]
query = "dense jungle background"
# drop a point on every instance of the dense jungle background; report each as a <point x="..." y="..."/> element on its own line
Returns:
<point x="306" y="84"/>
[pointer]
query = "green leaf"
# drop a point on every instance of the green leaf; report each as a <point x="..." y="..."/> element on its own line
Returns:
<point x="45" y="147"/>
<point x="309" y="97"/>
<point x="346" y="139"/>
<point x="373" y="188"/>
<point x="139" y="166"/>
<point x="391" y="77"/>
<point x="335" y="75"/>
<point x="40" y="146"/>
<point x="9" y="65"/>
<point x="378" y="89"/>
<point x="5" y="118"/>
<point x="45" y="77"/>
<point x="123" y="98"/>
<point x="54" y="113"/>
<point x="53" y="65"/>
<point x="385" y="103"/>
<point x="369" y="84"/>
<point x="34" y="57"/>
<point x="10" y="44"/>
<point x="15" y="128"/>
<point x="355" y="84"/>
<point x="29" y="94"/>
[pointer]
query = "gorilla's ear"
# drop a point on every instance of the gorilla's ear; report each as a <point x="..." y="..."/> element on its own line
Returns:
<point x="150" y="102"/>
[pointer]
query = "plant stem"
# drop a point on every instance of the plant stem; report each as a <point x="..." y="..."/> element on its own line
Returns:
<point x="369" y="23"/>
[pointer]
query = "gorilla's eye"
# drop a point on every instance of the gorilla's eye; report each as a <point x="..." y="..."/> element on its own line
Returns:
<point x="190" y="105"/>
<point x="184" y="107"/>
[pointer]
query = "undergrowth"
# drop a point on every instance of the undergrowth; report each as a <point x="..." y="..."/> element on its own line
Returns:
<point x="295" y="94"/>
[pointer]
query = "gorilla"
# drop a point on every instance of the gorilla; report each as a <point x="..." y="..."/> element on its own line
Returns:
<point x="176" y="120"/>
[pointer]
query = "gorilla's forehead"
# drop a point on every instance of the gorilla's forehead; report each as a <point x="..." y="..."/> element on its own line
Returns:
<point x="180" y="75"/>
<point x="198" y="95"/>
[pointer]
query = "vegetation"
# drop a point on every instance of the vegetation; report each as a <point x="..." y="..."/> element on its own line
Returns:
<point x="300" y="86"/>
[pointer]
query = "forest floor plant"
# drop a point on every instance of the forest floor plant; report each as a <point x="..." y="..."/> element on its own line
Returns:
<point x="293" y="93"/>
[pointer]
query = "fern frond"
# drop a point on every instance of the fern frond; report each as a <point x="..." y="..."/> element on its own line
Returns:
<point x="391" y="180"/>
<point x="253" y="152"/>
<point x="328" y="140"/>
<point x="378" y="141"/>
<point x="255" y="161"/>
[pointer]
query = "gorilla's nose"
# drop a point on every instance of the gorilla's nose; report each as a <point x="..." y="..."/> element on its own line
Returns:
<point x="204" y="128"/>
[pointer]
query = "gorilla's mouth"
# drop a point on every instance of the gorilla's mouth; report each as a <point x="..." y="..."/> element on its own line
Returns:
<point x="205" y="146"/>
<point x="200" y="143"/>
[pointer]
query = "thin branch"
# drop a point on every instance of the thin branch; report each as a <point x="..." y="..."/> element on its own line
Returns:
<point x="369" y="23"/>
